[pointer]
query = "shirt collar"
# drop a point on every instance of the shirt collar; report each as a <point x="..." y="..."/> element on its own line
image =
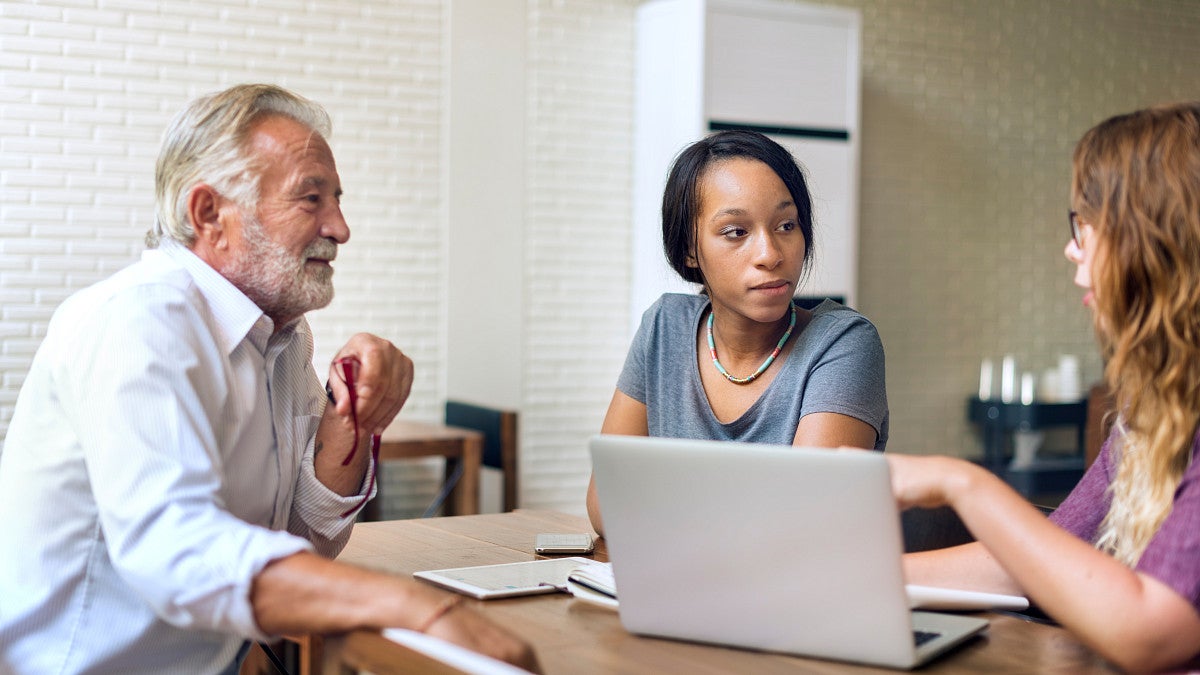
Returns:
<point x="236" y="316"/>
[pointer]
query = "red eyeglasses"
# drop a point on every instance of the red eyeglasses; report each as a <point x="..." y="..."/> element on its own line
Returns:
<point x="347" y="370"/>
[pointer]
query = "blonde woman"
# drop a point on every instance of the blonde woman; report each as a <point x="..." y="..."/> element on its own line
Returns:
<point x="1118" y="564"/>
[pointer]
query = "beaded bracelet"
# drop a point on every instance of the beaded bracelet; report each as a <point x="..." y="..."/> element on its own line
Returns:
<point x="442" y="610"/>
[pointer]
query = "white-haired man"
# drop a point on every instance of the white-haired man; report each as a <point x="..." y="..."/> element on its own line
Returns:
<point x="173" y="482"/>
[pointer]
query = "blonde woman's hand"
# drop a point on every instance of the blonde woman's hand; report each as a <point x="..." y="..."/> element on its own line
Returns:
<point x="927" y="481"/>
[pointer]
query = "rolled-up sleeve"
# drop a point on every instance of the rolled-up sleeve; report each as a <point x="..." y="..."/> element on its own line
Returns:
<point x="321" y="515"/>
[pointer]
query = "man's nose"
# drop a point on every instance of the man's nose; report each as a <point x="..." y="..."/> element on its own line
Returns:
<point x="334" y="226"/>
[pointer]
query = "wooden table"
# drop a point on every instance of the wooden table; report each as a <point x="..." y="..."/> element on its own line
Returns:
<point x="572" y="637"/>
<point x="405" y="439"/>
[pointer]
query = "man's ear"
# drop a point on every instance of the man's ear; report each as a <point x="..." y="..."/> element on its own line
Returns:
<point x="204" y="214"/>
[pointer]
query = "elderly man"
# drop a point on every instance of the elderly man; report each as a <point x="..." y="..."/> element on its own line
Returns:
<point x="173" y="481"/>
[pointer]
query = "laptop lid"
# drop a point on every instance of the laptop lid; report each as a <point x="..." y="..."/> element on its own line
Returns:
<point x="770" y="547"/>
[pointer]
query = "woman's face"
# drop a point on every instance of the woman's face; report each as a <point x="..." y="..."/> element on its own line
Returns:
<point x="749" y="245"/>
<point x="1083" y="253"/>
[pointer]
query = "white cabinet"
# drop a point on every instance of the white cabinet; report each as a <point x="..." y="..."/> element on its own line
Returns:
<point x="787" y="69"/>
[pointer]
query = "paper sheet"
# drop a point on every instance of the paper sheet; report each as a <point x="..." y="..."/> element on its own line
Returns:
<point x="952" y="599"/>
<point x="451" y="654"/>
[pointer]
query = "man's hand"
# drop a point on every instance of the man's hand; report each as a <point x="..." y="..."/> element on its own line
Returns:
<point x="471" y="630"/>
<point x="305" y="593"/>
<point x="382" y="377"/>
<point x="383" y="381"/>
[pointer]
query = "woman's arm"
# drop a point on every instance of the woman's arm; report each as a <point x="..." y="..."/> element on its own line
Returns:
<point x="1130" y="618"/>
<point x="969" y="566"/>
<point x="833" y="430"/>
<point x="845" y="396"/>
<point x="627" y="417"/>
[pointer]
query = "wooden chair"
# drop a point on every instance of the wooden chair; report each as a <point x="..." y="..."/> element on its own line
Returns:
<point x="499" y="429"/>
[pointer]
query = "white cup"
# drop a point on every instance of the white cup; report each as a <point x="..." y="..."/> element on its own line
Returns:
<point x="985" y="380"/>
<point x="1070" y="385"/>
<point x="1048" y="391"/>
<point x="1008" y="379"/>
<point x="1025" y="448"/>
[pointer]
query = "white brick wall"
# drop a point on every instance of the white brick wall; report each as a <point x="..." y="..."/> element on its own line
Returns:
<point x="970" y="109"/>
<point x="578" y="249"/>
<point x="85" y="92"/>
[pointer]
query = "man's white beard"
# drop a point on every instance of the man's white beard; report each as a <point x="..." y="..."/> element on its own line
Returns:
<point x="281" y="284"/>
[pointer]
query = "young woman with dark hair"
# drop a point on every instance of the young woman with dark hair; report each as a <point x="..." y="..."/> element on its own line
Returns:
<point x="740" y="360"/>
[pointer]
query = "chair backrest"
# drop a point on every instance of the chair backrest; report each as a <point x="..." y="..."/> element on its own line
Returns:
<point x="499" y="429"/>
<point x="927" y="529"/>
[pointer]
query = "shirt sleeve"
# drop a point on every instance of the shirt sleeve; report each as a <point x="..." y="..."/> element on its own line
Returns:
<point x="849" y="376"/>
<point x="317" y="512"/>
<point x="1084" y="509"/>
<point x="148" y="404"/>
<point x="1173" y="554"/>
<point x="633" y="379"/>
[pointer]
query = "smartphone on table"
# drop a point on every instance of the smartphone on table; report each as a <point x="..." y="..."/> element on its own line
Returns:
<point x="565" y="543"/>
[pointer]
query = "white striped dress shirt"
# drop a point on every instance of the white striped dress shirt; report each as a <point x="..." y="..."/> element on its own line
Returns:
<point x="159" y="456"/>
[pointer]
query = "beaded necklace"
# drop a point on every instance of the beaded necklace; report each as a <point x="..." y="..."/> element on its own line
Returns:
<point x="712" y="349"/>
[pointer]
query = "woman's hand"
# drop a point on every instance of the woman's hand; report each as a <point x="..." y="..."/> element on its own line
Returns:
<point x="928" y="481"/>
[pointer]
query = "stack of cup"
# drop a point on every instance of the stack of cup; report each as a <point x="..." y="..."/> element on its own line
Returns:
<point x="1008" y="379"/>
<point x="1070" y="385"/>
<point x="985" y="380"/>
<point x="1048" y="391"/>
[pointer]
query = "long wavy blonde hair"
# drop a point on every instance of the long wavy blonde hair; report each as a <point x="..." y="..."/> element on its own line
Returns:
<point x="1137" y="182"/>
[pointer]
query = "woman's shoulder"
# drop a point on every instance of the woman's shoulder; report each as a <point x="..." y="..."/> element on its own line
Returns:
<point x="677" y="306"/>
<point x="835" y="315"/>
<point x="671" y="315"/>
<point x="682" y="300"/>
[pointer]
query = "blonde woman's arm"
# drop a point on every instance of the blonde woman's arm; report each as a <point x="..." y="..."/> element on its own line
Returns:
<point x="1130" y="618"/>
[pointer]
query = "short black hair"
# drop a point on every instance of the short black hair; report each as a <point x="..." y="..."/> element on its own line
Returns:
<point x="681" y="198"/>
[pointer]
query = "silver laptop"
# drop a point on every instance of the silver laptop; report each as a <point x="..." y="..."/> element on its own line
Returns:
<point x="766" y="547"/>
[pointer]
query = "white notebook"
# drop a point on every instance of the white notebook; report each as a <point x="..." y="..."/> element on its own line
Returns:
<point x="595" y="584"/>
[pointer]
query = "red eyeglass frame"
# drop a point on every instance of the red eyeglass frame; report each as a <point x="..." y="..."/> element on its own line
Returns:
<point x="347" y="368"/>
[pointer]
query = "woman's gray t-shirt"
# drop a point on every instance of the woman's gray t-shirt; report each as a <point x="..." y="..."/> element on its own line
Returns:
<point x="836" y="365"/>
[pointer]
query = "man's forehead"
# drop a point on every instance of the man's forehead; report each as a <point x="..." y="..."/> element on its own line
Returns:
<point x="278" y="134"/>
<point x="300" y="154"/>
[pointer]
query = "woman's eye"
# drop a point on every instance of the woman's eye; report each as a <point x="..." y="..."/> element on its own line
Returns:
<point x="733" y="232"/>
<point x="788" y="226"/>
